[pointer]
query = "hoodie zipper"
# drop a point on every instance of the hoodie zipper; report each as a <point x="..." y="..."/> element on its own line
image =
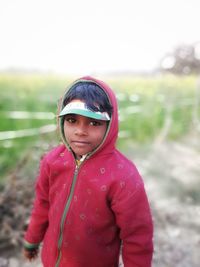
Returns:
<point x="64" y="215"/>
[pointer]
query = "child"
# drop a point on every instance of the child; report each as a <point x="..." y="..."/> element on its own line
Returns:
<point x="90" y="199"/>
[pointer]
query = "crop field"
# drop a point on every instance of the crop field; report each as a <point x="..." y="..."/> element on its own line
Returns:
<point x="150" y="108"/>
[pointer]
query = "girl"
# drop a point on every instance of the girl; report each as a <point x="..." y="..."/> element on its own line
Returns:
<point x="90" y="199"/>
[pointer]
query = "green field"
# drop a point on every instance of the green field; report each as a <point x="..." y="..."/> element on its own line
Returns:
<point x="150" y="108"/>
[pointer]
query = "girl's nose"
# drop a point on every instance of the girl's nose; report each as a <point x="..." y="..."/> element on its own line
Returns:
<point x="81" y="129"/>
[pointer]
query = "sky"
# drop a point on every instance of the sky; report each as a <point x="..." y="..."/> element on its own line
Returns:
<point x="83" y="37"/>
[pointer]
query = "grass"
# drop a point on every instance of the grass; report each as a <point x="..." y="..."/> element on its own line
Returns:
<point x="158" y="99"/>
<point x="144" y="105"/>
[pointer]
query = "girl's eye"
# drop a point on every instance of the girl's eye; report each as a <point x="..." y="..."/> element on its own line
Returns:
<point x="95" y="123"/>
<point x="70" y="119"/>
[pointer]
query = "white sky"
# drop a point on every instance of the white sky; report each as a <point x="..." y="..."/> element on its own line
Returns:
<point x="85" y="36"/>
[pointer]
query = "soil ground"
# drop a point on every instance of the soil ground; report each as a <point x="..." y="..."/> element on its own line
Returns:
<point x="171" y="174"/>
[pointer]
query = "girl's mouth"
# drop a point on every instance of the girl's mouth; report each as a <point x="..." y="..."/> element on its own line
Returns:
<point x="80" y="143"/>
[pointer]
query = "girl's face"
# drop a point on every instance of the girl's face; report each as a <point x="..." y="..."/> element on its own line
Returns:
<point x="83" y="134"/>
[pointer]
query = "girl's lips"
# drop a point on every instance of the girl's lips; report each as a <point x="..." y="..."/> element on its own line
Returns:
<point x="80" y="143"/>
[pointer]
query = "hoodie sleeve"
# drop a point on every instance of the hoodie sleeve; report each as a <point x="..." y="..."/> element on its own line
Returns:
<point x="39" y="215"/>
<point x="133" y="217"/>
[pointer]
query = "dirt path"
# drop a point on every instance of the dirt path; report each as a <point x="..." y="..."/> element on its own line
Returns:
<point x="172" y="174"/>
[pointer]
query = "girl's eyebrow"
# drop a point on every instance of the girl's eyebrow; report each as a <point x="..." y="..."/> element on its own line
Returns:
<point x="67" y="116"/>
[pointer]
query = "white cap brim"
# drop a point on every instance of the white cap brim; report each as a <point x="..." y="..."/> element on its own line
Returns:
<point x="78" y="107"/>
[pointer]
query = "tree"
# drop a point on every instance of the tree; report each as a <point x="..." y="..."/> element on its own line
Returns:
<point x="185" y="59"/>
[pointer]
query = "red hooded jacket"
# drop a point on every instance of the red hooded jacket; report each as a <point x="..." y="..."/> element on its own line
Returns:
<point x="85" y="215"/>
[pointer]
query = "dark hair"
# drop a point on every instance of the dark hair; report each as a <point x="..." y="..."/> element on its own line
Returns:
<point x="92" y="94"/>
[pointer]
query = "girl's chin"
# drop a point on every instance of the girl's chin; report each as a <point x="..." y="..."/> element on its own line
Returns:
<point x="80" y="149"/>
<point x="80" y="152"/>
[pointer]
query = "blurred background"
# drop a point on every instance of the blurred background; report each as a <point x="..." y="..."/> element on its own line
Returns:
<point x="149" y="53"/>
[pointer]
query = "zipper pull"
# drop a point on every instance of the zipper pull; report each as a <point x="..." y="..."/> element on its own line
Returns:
<point x="76" y="170"/>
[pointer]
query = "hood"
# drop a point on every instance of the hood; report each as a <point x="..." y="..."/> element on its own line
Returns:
<point x="109" y="141"/>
